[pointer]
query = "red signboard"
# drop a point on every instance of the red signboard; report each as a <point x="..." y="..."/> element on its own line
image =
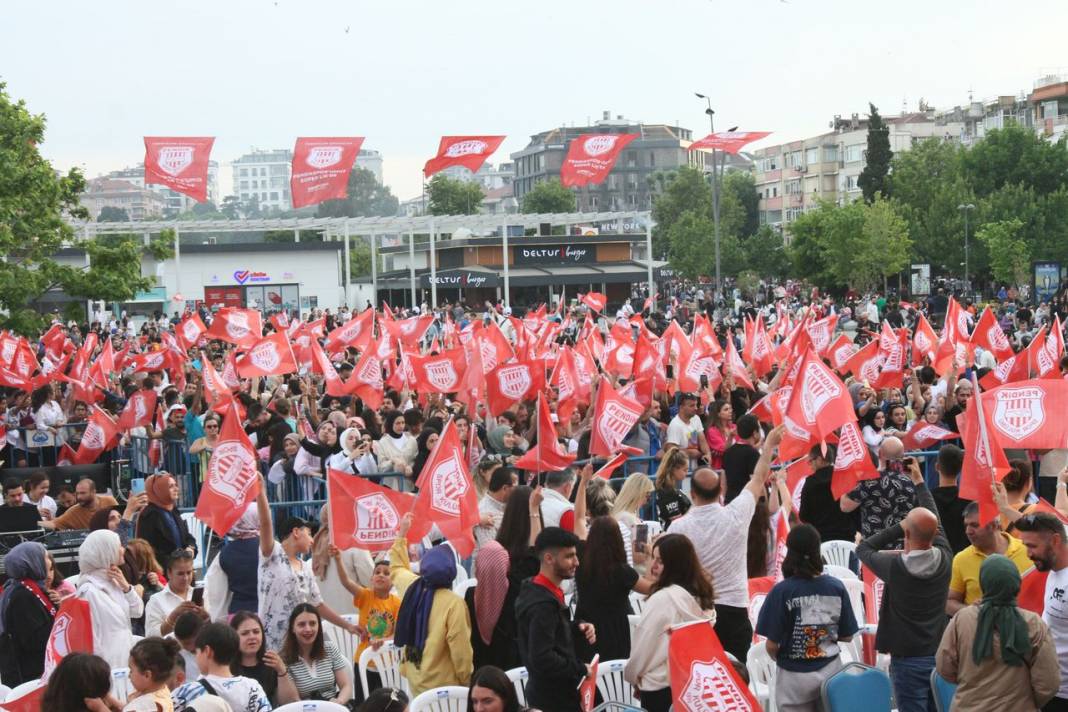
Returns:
<point x="224" y="296"/>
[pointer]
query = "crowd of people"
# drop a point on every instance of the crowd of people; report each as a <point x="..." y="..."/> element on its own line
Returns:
<point x="709" y="502"/>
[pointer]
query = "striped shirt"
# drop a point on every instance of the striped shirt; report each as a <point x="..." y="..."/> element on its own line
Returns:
<point x="318" y="680"/>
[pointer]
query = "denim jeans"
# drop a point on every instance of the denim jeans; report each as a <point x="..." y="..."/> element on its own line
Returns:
<point x="911" y="678"/>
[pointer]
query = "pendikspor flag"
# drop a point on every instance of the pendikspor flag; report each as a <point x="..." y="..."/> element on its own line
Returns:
<point x="467" y="151"/>
<point x="232" y="481"/>
<point x="447" y="496"/>
<point x="702" y="676"/>
<point x="181" y="164"/>
<point x="590" y="158"/>
<point x="321" y="168"/>
<point x="364" y="515"/>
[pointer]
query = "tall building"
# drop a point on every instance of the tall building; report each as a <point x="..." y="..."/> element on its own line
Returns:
<point x="371" y="161"/>
<point x="263" y="176"/>
<point x="139" y="202"/>
<point x="1049" y="105"/>
<point x="489" y="176"/>
<point x="175" y="202"/>
<point x="631" y="184"/>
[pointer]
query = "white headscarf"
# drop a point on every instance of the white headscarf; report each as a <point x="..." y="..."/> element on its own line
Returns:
<point x="100" y="551"/>
<point x="248" y="526"/>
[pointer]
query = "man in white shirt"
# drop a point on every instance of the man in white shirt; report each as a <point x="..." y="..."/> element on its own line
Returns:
<point x="720" y="535"/>
<point x="491" y="506"/>
<point x="1047" y="547"/>
<point x="178" y="590"/>
<point x="556" y="507"/>
<point x="685" y="431"/>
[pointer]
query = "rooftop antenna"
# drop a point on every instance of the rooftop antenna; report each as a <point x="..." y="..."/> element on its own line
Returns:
<point x="970" y="95"/>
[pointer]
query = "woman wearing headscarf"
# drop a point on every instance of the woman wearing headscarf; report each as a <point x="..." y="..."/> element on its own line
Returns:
<point x="493" y="636"/>
<point x="1000" y="656"/>
<point x="502" y="443"/>
<point x="27" y="609"/>
<point x="231" y="583"/>
<point x="112" y="599"/>
<point x="160" y="524"/>
<point x="396" y="449"/>
<point x="432" y="625"/>
<point x="355" y="457"/>
<point x="359" y="566"/>
<point x="425" y="443"/>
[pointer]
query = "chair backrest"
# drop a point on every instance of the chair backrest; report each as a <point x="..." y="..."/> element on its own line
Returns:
<point x="839" y="572"/>
<point x="199" y="530"/>
<point x="943" y="691"/>
<point x="460" y="589"/>
<point x="762" y="670"/>
<point x="121" y="687"/>
<point x="837" y="553"/>
<point x="612" y="686"/>
<point x="637" y="602"/>
<point x="347" y="643"/>
<point x="387" y="661"/>
<point x="451" y="698"/>
<point x="856" y="687"/>
<point x="312" y="706"/>
<point x="519" y="677"/>
<point x="855" y="589"/>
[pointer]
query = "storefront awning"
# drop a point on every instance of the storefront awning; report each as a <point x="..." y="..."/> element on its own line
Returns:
<point x="477" y="276"/>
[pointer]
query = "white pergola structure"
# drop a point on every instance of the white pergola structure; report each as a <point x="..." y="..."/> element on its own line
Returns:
<point x="373" y="227"/>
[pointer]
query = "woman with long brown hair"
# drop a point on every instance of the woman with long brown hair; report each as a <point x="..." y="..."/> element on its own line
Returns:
<point x="671" y="502"/>
<point x="681" y="593"/>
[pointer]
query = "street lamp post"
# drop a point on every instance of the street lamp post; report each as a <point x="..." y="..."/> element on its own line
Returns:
<point x="715" y="195"/>
<point x="966" y="208"/>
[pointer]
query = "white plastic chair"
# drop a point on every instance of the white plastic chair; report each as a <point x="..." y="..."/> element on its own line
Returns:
<point x="519" y="677"/>
<point x="612" y="686"/>
<point x="762" y="669"/>
<point x="121" y="686"/>
<point x="837" y="553"/>
<point x="637" y="602"/>
<point x="840" y="572"/>
<point x="451" y="698"/>
<point x="634" y="620"/>
<point x="387" y="661"/>
<point x="312" y="706"/>
<point x="199" y="531"/>
<point x="347" y="643"/>
<point x="24" y="689"/>
<point x="460" y="589"/>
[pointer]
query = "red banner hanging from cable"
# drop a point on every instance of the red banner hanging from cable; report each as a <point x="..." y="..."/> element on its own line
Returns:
<point x="467" y="151"/>
<point x="180" y="163"/>
<point x="590" y="158"/>
<point x="729" y="141"/>
<point x="321" y="168"/>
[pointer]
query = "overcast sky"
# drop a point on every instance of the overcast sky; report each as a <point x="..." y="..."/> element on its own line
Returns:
<point x="258" y="73"/>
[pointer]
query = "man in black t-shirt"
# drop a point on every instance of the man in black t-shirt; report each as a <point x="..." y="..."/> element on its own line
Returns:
<point x="947" y="497"/>
<point x="818" y="506"/>
<point x="740" y="459"/>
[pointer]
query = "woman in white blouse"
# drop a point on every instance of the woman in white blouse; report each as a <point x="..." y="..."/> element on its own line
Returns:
<point x="112" y="600"/>
<point x="48" y="417"/>
<point x="396" y="448"/>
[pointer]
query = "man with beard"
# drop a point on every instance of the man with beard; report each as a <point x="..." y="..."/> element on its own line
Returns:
<point x="1043" y="536"/>
<point x="88" y="502"/>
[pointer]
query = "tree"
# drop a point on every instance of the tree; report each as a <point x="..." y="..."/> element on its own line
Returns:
<point x="766" y="254"/>
<point x="741" y="187"/>
<point x="690" y="244"/>
<point x="231" y="207"/>
<point x="549" y="196"/>
<point x="35" y="202"/>
<point x="1016" y="155"/>
<point x="877" y="159"/>
<point x="885" y="247"/>
<point x="453" y="197"/>
<point x="807" y="246"/>
<point x="366" y="198"/>
<point x="1010" y="255"/>
<point x="685" y="191"/>
<point x="109" y="213"/>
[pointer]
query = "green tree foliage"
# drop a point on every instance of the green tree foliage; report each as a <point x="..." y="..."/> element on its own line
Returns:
<point x="1016" y="156"/>
<point x="740" y="188"/>
<point x="34" y="204"/>
<point x="109" y="213"/>
<point x="231" y="207"/>
<point x="877" y="159"/>
<point x="549" y="196"/>
<point x="685" y="191"/>
<point x="885" y="245"/>
<point x="765" y="253"/>
<point x="366" y="198"/>
<point x="1010" y="255"/>
<point x="690" y="240"/>
<point x="448" y="196"/>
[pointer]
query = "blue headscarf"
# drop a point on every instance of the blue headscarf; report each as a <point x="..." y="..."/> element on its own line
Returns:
<point x="437" y="569"/>
<point x="24" y="561"/>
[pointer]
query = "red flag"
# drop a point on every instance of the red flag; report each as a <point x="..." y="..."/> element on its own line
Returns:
<point x="729" y="141"/>
<point x="820" y="403"/>
<point x="759" y="349"/>
<point x="1043" y="506"/>
<point x="149" y="362"/>
<point x="821" y="332"/>
<point x="989" y="335"/>
<point x="356" y="332"/>
<point x="1029" y="414"/>
<point x="409" y="331"/>
<point x="99" y="433"/>
<point x="590" y="158"/>
<point x="181" y="164"/>
<point x="924" y="341"/>
<point x="1047" y="359"/>
<point x="984" y="459"/>
<point x="467" y="151"/>
<point x="612" y="465"/>
<point x="493" y="347"/>
<point x="447" y="495"/>
<point x="215" y="388"/>
<point x="321" y="364"/>
<point x="443" y="373"/>
<point x="692" y="364"/>
<point x="840" y="352"/>
<point x="138" y="411"/>
<point x="922" y="435"/>
<point x="72" y="632"/>
<point x="566" y="381"/>
<point x="545" y="456"/>
<point x="782" y="529"/>
<point x="366" y="380"/>
<point x="1013" y="369"/>
<point x="233" y="477"/>
<point x="873" y="600"/>
<point x="588" y="687"/>
<point x="892" y="371"/>
<point x="103" y="366"/>
<point x="364" y="515"/>
<point x="271" y="356"/>
<point x="241" y="327"/>
<point x="758" y="593"/>
<point x="55" y="342"/>
<point x="619" y="351"/>
<point x="735" y="367"/>
<point x="852" y="463"/>
<point x="321" y="168"/>
<point x="1032" y="596"/>
<point x="613" y="417"/>
<point x="954" y="335"/>
<point x="190" y="331"/>
<point x="865" y="363"/>
<point x="30" y="700"/>
<point x="594" y="300"/>
<point x="702" y="676"/>
<point x="514" y="382"/>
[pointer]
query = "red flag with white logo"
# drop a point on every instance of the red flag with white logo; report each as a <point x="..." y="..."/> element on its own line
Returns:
<point x="694" y="363"/>
<point x="190" y="331"/>
<point x="232" y="480"/>
<point x="270" y="356"/>
<point x="321" y="168"/>
<point x="241" y="327"/>
<point x="852" y="463"/>
<point x="409" y="331"/>
<point x="989" y="335"/>
<point x="138" y="411"/>
<point x="735" y="367"/>
<point x="984" y="458"/>
<point x="1047" y="360"/>
<point x="892" y="370"/>
<point x="840" y="352"/>
<point x="1013" y="369"/>
<point x="757" y="349"/>
<point x="180" y="163"/>
<point x="356" y="332"/>
<point x="493" y="347"/>
<point x="514" y="382"/>
<point x="467" y="151"/>
<point x="923" y="435"/>
<point x="613" y="417"/>
<point x="72" y="632"/>
<point x="447" y="496"/>
<point x="1029" y="414"/>
<point x="366" y="380"/>
<point x="99" y="433"/>
<point x="566" y="381"/>
<point x="364" y="515"/>
<point x="590" y="158"/>
<point x="729" y="141"/>
<point x="821" y="332"/>
<point x="782" y="529"/>
<point x="702" y="676"/>
<point x="924" y="341"/>
<point x="820" y="402"/>
<point x="443" y="373"/>
<point x="588" y="686"/>
<point x="594" y="300"/>
<point x="55" y="342"/>
<point x="321" y="364"/>
<point x="619" y="350"/>
<point x="546" y="455"/>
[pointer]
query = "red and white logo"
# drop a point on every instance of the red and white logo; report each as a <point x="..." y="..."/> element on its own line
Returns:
<point x="265" y="356"/>
<point x="441" y="374"/>
<point x="231" y="471"/>
<point x="851" y="448"/>
<point x="488" y="353"/>
<point x="625" y="353"/>
<point x="190" y="331"/>
<point x="997" y="339"/>
<point x="371" y="373"/>
<point x="615" y="422"/>
<point x="700" y="366"/>
<point x="175" y="159"/>
<point x="1018" y="412"/>
<point x="514" y="381"/>
<point x="922" y="342"/>
<point x="597" y="145"/>
<point x="466" y="148"/>
<point x="376" y="519"/>
<point x="710" y="688"/>
<point x="7" y="352"/>
<point x="819" y="389"/>
<point x="140" y="408"/>
<point x="60" y="641"/>
<point x="93" y="437"/>
<point x="323" y="156"/>
<point x="154" y="360"/>
<point x="869" y="370"/>
<point x="448" y="486"/>
<point x="237" y="325"/>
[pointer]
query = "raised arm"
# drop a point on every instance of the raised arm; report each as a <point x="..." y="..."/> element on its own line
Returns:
<point x="266" y="525"/>
<point x="763" y="467"/>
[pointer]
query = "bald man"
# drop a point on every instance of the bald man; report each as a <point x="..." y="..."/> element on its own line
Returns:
<point x="885" y="500"/>
<point x="912" y="615"/>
